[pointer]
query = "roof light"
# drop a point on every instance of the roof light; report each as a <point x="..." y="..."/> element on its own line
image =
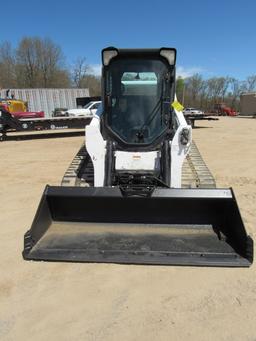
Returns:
<point x="107" y="55"/>
<point x="169" y="54"/>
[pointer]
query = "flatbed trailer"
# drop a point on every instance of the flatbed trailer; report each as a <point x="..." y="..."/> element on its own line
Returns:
<point x="8" y="123"/>
<point x="192" y="118"/>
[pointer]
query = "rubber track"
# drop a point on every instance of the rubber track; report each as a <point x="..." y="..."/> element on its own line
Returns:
<point x="80" y="172"/>
<point x="195" y="173"/>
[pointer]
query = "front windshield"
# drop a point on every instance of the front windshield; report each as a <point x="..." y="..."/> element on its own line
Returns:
<point x="137" y="90"/>
<point x="87" y="105"/>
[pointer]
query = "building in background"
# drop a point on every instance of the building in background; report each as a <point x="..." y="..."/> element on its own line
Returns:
<point x="46" y="99"/>
<point x="248" y="104"/>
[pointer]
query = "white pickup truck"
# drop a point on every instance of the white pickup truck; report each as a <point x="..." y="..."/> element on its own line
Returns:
<point x="88" y="110"/>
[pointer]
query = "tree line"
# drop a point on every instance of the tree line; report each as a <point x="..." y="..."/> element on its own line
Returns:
<point x="40" y="63"/>
<point x="198" y="92"/>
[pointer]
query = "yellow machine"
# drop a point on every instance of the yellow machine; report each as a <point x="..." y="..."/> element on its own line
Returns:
<point x="14" y="105"/>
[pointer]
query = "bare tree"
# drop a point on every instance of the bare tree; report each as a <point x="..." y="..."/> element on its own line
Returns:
<point x="7" y="66"/>
<point x="203" y="95"/>
<point x="79" y="71"/>
<point x="250" y="83"/>
<point x="193" y="87"/>
<point x="93" y="83"/>
<point x="28" y="62"/>
<point x="50" y="62"/>
<point x="195" y="84"/>
<point x="82" y="77"/>
<point x="224" y="83"/>
<point x="60" y="79"/>
<point x="215" y="85"/>
<point x="39" y="61"/>
<point x="236" y="87"/>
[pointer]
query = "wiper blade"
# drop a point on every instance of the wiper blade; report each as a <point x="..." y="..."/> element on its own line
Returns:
<point x="152" y="115"/>
<point x="154" y="112"/>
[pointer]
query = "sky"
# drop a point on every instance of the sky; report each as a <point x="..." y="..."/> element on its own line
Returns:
<point x="213" y="38"/>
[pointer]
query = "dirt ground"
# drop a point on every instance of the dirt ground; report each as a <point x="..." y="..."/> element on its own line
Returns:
<point x="59" y="301"/>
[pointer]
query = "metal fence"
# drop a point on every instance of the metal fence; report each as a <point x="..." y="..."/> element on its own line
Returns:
<point x="47" y="99"/>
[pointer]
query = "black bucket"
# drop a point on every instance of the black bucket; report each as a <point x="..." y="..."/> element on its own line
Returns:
<point x="171" y="227"/>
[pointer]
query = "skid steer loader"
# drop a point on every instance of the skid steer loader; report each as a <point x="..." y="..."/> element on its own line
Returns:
<point x="127" y="203"/>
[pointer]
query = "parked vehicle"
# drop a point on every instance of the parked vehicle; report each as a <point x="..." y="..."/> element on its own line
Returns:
<point x="88" y="110"/>
<point x="191" y="115"/>
<point x="60" y="112"/>
<point x="222" y="109"/>
<point x="19" y="109"/>
<point x="192" y="111"/>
